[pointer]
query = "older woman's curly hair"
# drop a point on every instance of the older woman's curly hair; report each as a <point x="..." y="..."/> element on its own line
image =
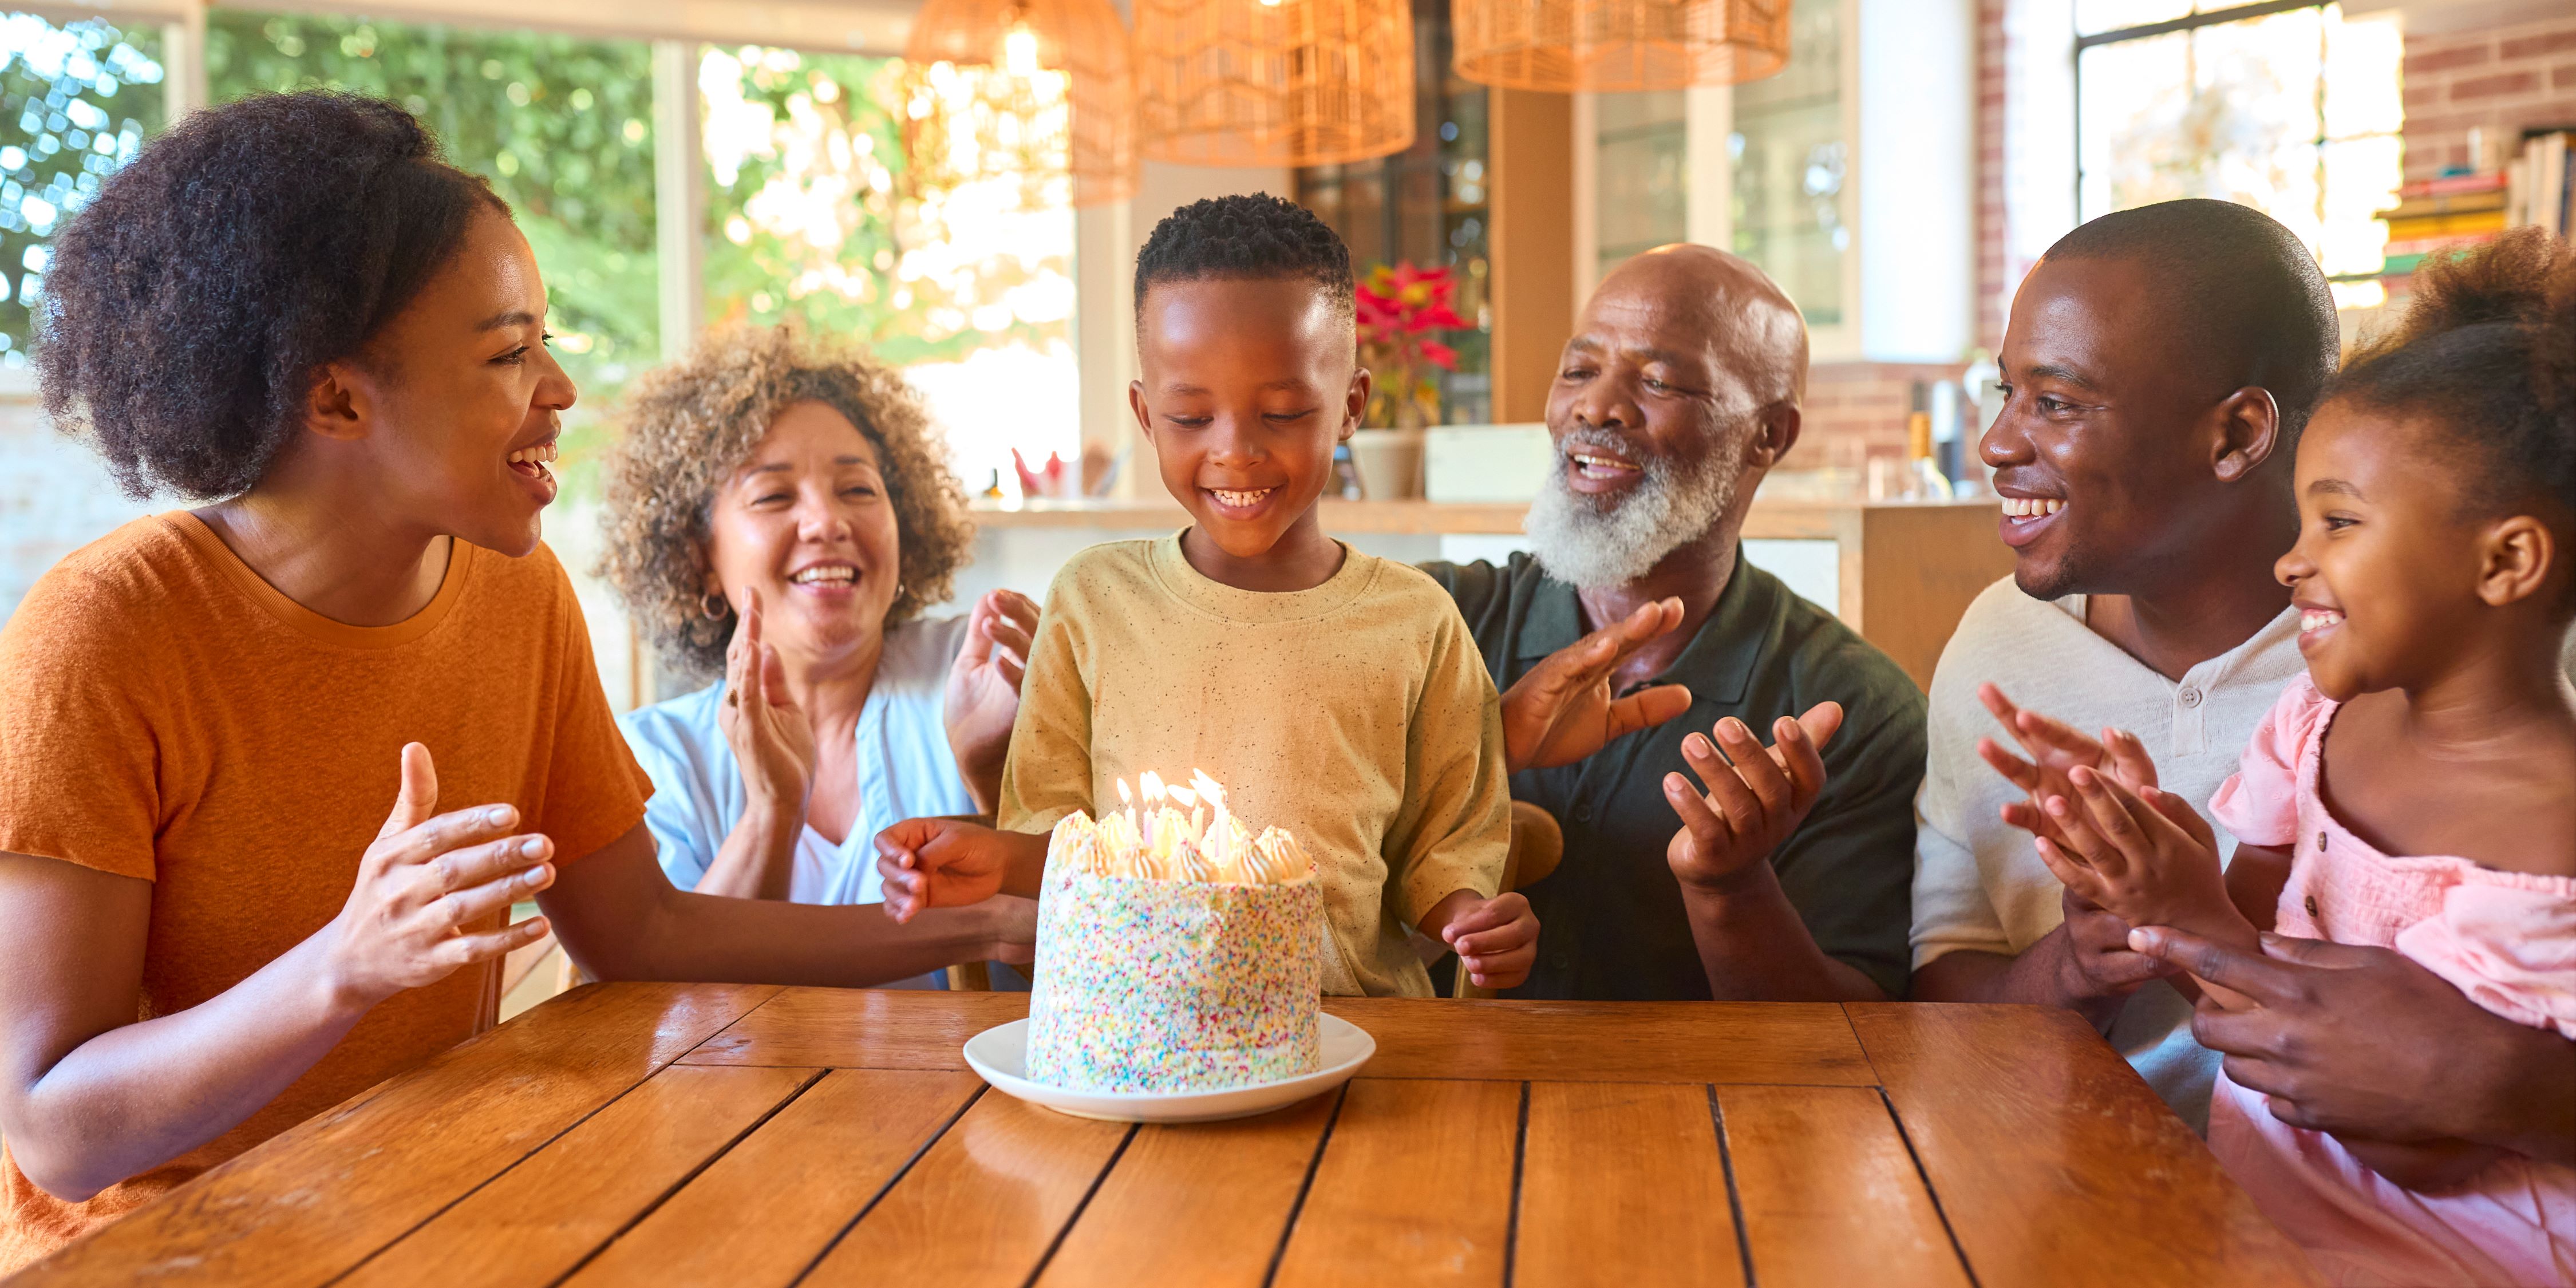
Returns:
<point x="690" y="424"/>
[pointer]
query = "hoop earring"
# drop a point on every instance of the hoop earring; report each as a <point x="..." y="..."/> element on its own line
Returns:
<point x="715" y="606"/>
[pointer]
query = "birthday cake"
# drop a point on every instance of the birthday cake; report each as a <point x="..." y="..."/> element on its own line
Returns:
<point x="1177" y="950"/>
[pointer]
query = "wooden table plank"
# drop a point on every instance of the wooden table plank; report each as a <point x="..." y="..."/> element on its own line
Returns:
<point x="1513" y="1041"/>
<point x="1194" y="1203"/>
<point x="1695" y="1042"/>
<point x="1414" y="1188"/>
<point x="1830" y="1194"/>
<point x="318" y="1198"/>
<point x="1622" y="1183"/>
<point x="538" y="1220"/>
<point x="2054" y="1163"/>
<point x="983" y="1205"/>
<point x="759" y="1215"/>
<point x="841" y="1028"/>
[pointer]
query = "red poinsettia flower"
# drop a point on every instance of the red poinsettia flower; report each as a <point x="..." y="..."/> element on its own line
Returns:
<point x="1398" y="307"/>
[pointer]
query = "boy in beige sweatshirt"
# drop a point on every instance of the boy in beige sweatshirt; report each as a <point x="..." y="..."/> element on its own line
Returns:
<point x="1333" y="693"/>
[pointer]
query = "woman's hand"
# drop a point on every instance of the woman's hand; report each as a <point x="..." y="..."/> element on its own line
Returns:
<point x="1752" y="804"/>
<point x="770" y="736"/>
<point x="984" y="689"/>
<point x="423" y="883"/>
<point x="1562" y="711"/>
<point x="2055" y="750"/>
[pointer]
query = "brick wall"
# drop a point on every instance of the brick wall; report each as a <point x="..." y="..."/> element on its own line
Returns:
<point x="1994" y="277"/>
<point x="1856" y="410"/>
<point x="2500" y="80"/>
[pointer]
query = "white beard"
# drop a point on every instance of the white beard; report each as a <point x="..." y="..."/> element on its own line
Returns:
<point x="1599" y="542"/>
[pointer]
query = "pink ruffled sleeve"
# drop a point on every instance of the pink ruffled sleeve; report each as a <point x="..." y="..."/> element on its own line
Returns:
<point x="2259" y="804"/>
<point x="2509" y="943"/>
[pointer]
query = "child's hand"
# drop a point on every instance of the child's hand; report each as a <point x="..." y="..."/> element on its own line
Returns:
<point x="1496" y="939"/>
<point x="939" y="863"/>
<point x="2055" y="749"/>
<point x="1754" y="803"/>
<point x="2143" y="856"/>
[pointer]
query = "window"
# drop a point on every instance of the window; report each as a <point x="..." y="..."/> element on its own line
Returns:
<point x="971" y="291"/>
<point x="1641" y="184"/>
<point x="562" y="126"/>
<point x="1791" y="167"/>
<point x="77" y="100"/>
<point x="2294" y="111"/>
<point x="1427" y="204"/>
<point x="806" y="218"/>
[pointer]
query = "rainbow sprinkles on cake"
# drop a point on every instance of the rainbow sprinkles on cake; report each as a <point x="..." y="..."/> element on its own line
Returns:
<point x="1177" y="949"/>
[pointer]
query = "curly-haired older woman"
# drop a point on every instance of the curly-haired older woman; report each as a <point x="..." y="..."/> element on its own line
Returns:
<point x="778" y="517"/>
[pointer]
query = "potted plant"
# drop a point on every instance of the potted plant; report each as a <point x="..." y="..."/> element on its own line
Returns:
<point x="1401" y="307"/>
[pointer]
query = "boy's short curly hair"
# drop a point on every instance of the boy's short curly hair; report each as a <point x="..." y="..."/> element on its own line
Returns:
<point x="187" y="310"/>
<point x="1256" y="236"/>
<point x="689" y="424"/>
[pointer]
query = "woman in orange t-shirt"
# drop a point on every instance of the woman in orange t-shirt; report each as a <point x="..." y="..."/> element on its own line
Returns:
<point x="291" y="308"/>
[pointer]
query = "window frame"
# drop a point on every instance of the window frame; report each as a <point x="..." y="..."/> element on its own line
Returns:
<point x="2188" y="23"/>
<point x="676" y="32"/>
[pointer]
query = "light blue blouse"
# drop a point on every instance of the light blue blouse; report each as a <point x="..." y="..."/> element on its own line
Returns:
<point x="905" y="770"/>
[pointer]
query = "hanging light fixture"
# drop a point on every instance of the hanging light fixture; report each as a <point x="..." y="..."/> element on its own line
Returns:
<point x="1273" y="82"/>
<point x="1035" y="90"/>
<point x="1570" y="46"/>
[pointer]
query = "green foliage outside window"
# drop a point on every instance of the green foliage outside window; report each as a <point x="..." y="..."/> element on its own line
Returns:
<point x="561" y="125"/>
<point x="76" y="101"/>
<point x="805" y="222"/>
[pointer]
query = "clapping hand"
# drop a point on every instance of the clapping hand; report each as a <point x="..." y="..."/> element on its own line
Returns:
<point x="768" y="732"/>
<point x="423" y="884"/>
<point x="1561" y="710"/>
<point x="1753" y="803"/>
<point x="984" y="689"/>
<point x="2055" y="749"/>
<point x="2144" y="855"/>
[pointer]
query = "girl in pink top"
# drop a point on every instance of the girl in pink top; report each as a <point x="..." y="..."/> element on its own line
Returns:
<point x="2416" y="790"/>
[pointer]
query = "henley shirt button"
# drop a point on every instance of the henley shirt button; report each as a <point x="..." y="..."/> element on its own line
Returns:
<point x="2191" y="697"/>
<point x="2321" y="842"/>
<point x="2312" y="905"/>
<point x="1561" y="961"/>
<point x="1583" y="813"/>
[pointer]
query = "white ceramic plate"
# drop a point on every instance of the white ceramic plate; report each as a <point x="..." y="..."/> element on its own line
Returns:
<point x="1000" y="1056"/>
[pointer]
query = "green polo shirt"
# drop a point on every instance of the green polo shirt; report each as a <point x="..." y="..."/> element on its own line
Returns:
<point x="1611" y="924"/>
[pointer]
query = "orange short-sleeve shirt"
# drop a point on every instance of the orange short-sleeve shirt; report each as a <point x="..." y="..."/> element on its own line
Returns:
<point x="167" y="715"/>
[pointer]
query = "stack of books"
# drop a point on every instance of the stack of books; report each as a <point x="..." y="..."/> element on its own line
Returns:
<point x="2438" y="216"/>
<point x="2542" y="181"/>
<point x="2433" y="216"/>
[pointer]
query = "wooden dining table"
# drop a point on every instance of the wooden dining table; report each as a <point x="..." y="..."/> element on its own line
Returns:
<point x="737" y="1135"/>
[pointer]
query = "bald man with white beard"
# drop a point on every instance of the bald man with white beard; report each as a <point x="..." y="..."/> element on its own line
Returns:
<point x="1635" y="645"/>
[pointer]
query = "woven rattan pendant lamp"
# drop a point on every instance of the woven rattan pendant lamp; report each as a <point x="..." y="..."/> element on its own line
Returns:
<point x="1036" y="90"/>
<point x="1568" y="46"/>
<point x="1273" y="82"/>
